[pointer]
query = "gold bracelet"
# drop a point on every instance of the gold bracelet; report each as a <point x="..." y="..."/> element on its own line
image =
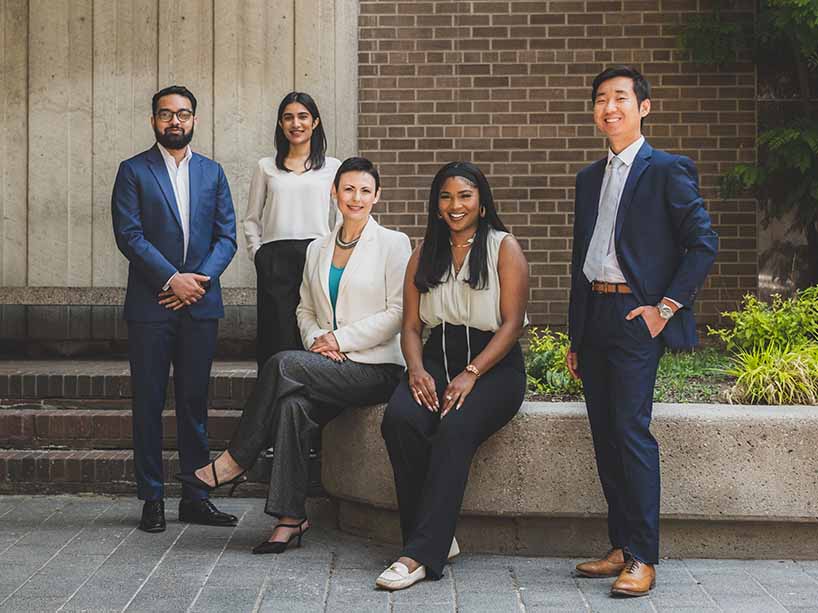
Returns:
<point x="473" y="370"/>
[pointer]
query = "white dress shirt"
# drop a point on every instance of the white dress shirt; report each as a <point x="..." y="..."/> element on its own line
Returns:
<point x="611" y="271"/>
<point x="288" y="206"/>
<point x="180" y="181"/>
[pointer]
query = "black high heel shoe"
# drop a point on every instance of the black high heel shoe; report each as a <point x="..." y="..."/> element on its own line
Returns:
<point x="280" y="546"/>
<point x="194" y="481"/>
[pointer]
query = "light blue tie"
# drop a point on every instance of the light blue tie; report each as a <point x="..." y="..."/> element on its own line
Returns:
<point x="605" y="222"/>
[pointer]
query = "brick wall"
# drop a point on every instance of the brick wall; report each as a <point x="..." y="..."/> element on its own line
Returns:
<point x="507" y="85"/>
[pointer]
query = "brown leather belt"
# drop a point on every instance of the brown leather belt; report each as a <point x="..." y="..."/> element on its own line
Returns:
<point x="602" y="287"/>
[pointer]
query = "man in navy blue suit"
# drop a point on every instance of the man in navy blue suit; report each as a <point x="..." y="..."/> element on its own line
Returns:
<point x="643" y="245"/>
<point x="174" y="221"/>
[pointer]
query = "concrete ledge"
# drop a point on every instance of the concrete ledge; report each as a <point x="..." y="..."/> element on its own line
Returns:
<point x="101" y="296"/>
<point x="737" y="481"/>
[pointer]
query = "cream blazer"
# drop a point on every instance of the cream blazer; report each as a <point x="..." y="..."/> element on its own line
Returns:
<point x="370" y="296"/>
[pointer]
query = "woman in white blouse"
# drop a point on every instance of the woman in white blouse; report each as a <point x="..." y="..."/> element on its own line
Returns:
<point x="349" y="317"/>
<point x="468" y="283"/>
<point x="289" y="206"/>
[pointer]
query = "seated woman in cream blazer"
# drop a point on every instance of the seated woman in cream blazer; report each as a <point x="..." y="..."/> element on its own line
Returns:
<point x="349" y="318"/>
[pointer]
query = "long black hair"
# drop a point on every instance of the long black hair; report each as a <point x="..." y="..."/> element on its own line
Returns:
<point x="436" y="255"/>
<point x="318" y="141"/>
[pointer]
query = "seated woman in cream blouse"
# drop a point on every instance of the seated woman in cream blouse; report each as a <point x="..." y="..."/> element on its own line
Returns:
<point x="349" y="318"/>
<point x="468" y="284"/>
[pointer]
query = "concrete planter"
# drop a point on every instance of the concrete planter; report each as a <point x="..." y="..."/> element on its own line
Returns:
<point x="737" y="481"/>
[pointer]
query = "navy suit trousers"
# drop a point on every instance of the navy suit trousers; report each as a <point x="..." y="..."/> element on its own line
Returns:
<point x="618" y="361"/>
<point x="189" y="345"/>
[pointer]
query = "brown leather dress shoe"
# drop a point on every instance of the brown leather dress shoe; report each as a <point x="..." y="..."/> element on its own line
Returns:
<point x="609" y="566"/>
<point x="636" y="579"/>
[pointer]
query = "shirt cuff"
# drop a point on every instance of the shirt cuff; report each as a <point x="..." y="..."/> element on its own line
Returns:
<point x="678" y="304"/>
<point x="166" y="286"/>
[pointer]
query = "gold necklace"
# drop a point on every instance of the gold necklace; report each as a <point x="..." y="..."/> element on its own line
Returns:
<point x="466" y="244"/>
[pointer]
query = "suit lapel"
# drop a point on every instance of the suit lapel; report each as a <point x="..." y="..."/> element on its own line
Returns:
<point x="325" y="261"/>
<point x="592" y="204"/>
<point x="194" y="182"/>
<point x="357" y="257"/>
<point x="160" y="173"/>
<point x="640" y="165"/>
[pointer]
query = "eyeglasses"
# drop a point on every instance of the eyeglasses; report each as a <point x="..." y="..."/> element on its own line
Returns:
<point x="183" y="116"/>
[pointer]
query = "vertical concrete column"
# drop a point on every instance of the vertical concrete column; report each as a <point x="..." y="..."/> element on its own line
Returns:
<point x="315" y="59"/>
<point x="186" y="58"/>
<point x="125" y="78"/>
<point x="60" y="143"/>
<point x="346" y="78"/>
<point x="13" y="141"/>
<point x="253" y="68"/>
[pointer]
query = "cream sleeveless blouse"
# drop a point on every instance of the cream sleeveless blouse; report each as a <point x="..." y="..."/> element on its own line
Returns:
<point x="454" y="302"/>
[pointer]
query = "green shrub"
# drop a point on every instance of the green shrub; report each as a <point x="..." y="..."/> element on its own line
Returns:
<point x="545" y="364"/>
<point x="785" y="322"/>
<point x="776" y="374"/>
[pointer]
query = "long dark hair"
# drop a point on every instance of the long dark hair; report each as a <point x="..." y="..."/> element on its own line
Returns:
<point x="436" y="255"/>
<point x="318" y="141"/>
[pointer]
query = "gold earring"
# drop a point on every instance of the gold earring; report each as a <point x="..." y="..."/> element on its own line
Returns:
<point x="482" y="211"/>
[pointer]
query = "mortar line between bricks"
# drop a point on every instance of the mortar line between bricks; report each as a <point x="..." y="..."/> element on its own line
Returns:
<point x="581" y="594"/>
<point x="454" y="589"/>
<point x="155" y="566"/>
<point x="56" y="553"/>
<point x="765" y="590"/>
<point x="29" y="532"/>
<point x="263" y="589"/>
<point x="701" y="587"/>
<point x="515" y="581"/>
<point x="96" y="570"/>
<point x="215" y="563"/>
<point x="329" y="580"/>
<point x="2" y="515"/>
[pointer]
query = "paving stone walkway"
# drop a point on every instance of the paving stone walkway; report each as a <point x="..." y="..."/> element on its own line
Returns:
<point x="83" y="553"/>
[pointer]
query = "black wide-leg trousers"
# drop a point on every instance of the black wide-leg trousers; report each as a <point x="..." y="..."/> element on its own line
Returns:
<point x="618" y="362"/>
<point x="279" y="269"/>
<point x="431" y="456"/>
<point x="297" y="393"/>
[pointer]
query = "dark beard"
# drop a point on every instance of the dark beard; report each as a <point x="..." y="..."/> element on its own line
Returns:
<point x="174" y="141"/>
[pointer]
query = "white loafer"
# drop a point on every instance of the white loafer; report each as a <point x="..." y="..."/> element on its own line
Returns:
<point x="398" y="577"/>
<point x="454" y="550"/>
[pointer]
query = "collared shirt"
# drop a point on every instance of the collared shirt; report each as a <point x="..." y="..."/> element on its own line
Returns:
<point x="180" y="181"/>
<point x="611" y="271"/>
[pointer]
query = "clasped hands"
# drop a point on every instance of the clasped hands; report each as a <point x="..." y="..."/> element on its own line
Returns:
<point x="422" y="386"/>
<point x="185" y="289"/>
<point x="327" y="346"/>
<point x="652" y="319"/>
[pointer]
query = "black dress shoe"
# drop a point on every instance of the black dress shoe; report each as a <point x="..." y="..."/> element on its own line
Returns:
<point x="153" y="516"/>
<point x="204" y="512"/>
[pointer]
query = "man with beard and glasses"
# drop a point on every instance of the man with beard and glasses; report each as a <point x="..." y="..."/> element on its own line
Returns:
<point x="174" y="221"/>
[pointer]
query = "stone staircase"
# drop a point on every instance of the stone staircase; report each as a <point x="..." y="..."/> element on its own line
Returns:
<point x="65" y="427"/>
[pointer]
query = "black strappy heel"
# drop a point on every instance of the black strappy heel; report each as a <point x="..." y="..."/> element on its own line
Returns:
<point x="192" y="480"/>
<point x="280" y="546"/>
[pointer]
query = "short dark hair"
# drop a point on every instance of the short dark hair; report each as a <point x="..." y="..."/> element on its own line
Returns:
<point x="357" y="164"/>
<point x="318" y="140"/>
<point x="435" y="259"/>
<point x="179" y="90"/>
<point x="641" y="87"/>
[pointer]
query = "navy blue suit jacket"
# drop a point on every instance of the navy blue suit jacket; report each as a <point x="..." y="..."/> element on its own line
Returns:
<point x="148" y="232"/>
<point x="663" y="238"/>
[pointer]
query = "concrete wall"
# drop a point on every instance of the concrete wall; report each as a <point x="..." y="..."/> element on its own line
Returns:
<point x="76" y="78"/>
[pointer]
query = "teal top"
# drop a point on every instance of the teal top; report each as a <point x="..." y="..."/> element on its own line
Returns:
<point x="334" y="283"/>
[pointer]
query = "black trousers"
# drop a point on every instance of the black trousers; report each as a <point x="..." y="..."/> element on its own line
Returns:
<point x="618" y="361"/>
<point x="297" y="393"/>
<point x="188" y="344"/>
<point x="279" y="268"/>
<point x="431" y="456"/>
